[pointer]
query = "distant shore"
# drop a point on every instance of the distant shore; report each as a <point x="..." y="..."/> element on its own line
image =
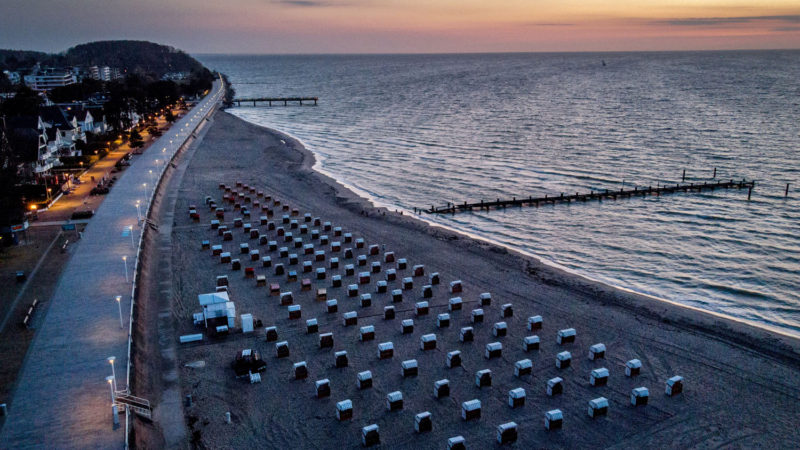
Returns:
<point x="741" y="381"/>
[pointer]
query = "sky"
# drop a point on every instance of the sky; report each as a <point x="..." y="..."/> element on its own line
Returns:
<point x="405" y="26"/>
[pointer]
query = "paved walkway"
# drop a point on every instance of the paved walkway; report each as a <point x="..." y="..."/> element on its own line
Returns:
<point x="62" y="399"/>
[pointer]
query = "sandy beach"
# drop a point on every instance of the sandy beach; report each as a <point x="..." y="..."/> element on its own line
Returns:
<point x="742" y="384"/>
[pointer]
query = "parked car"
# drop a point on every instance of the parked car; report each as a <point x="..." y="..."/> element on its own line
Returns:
<point x="85" y="214"/>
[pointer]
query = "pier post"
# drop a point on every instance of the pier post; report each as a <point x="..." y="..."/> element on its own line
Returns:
<point x="315" y="102"/>
<point x="749" y="192"/>
<point x="683" y="178"/>
<point x="786" y="194"/>
<point x="715" y="173"/>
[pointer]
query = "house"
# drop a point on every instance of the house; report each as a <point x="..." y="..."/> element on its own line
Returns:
<point x="13" y="77"/>
<point x="29" y="137"/>
<point x="81" y="118"/>
<point x="62" y="132"/>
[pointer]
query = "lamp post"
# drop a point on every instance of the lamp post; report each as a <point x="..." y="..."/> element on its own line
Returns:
<point x="125" y="261"/>
<point x="111" y="360"/>
<point x="119" y="307"/>
<point x="138" y="212"/>
<point x="110" y="381"/>
<point x="130" y="227"/>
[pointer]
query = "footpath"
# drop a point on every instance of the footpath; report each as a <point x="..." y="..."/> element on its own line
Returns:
<point x="63" y="398"/>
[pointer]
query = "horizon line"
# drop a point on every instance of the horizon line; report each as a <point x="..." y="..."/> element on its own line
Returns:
<point x="491" y="52"/>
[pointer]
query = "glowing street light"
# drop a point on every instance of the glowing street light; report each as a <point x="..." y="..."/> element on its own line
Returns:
<point x="130" y="228"/>
<point x="138" y="213"/>
<point x="111" y="360"/>
<point x="125" y="261"/>
<point x="119" y="307"/>
<point x="110" y="381"/>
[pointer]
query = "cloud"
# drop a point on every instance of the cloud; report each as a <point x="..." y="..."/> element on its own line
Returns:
<point x="549" y="24"/>
<point x="712" y="21"/>
<point x="309" y="3"/>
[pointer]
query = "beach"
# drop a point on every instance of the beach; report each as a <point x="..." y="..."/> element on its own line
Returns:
<point x="740" y="382"/>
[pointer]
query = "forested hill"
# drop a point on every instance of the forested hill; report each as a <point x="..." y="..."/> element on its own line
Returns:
<point x="140" y="57"/>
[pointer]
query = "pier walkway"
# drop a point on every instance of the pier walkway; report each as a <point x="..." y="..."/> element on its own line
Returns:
<point x="270" y="100"/>
<point x="452" y="208"/>
<point x="85" y="323"/>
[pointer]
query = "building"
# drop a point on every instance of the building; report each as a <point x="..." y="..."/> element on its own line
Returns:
<point x="13" y="77"/>
<point x="62" y="131"/>
<point x="100" y="73"/>
<point x="29" y="137"/>
<point x="175" y="76"/>
<point x="81" y="118"/>
<point x="47" y="79"/>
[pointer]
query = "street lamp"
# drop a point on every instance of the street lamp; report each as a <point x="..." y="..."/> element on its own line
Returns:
<point x="138" y="213"/>
<point x="110" y="381"/>
<point x="125" y="261"/>
<point x="111" y="360"/>
<point x="119" y="307"/>
<point x="130" y="227"/>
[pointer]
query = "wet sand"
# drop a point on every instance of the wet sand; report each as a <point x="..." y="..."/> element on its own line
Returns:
<point x="742" y="384"/>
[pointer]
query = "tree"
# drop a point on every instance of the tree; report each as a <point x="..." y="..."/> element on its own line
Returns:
<point x="75" y="92"/>
<point x="11" y="208"/>
<point x="5" y="84"/>
<point x="136" y="139"/>
<point x="25" y="102"/>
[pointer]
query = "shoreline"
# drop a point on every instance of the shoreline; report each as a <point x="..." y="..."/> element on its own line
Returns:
<point x="375" y="203"/>
<point x="580" y="278"/>
<point x="737" y="375"/>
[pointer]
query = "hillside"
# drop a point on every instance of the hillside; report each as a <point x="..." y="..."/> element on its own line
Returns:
<point x="140" y="57"/>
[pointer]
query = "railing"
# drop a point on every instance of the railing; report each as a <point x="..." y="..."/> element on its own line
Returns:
<point x="137" y="264"/>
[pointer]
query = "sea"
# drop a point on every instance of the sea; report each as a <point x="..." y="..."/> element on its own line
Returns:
<point x="412" y="131"/>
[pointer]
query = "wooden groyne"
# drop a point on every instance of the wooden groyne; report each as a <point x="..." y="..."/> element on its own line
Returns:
<point x="452" y="208"/>
<point x="270" y="100"/>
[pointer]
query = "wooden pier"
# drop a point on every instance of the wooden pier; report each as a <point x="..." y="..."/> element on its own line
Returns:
<point x="269" y="100"/>
<point x="453" y="208"/>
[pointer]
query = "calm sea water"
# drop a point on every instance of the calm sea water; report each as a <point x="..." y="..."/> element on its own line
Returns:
<point x="412" y="130"/>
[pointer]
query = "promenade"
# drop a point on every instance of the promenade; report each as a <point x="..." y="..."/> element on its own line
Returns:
<point x="62" y="398"/>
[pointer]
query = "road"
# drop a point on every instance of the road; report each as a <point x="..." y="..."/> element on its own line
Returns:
<point x="62" y="398"/>
<point x="79" y="198"/>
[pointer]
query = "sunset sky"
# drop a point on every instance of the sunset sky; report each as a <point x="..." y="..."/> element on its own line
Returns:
<point x="405" y="26"/>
